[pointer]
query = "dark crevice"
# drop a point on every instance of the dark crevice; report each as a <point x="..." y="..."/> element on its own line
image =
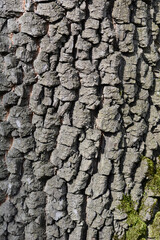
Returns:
<point x="74" y="52"/>
<point x="87" y="14"/>
<point x="147" y="1"/>
<point x="110" y="9"/>
<point x="84" y="215"/>
<point x="102" y="144"/>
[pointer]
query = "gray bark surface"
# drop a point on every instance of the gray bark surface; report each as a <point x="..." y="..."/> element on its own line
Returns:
<point x="79" y="118"/>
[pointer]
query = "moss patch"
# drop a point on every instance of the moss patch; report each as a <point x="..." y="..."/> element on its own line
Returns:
<point x="151" y="168"/>
<point x="155" y="227"/>
<point x="137" y="228"/>
<point x="153" y="175"/>
<point x="115" y="237"/>
<point x="154" y="185"/>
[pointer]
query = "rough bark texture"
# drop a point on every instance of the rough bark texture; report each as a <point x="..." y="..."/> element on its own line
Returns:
<point x="79" y="119"/>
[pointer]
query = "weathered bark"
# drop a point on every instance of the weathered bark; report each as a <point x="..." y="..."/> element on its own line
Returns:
<point x="79" y="119"/>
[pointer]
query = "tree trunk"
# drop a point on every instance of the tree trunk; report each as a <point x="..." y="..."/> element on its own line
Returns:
<point x="79" y="119"/>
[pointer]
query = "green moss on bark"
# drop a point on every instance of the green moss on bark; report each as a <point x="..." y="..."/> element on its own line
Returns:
<point x="137" y="228"/>
<point x="151" y="168"/>
<point x="155" y="227"/>
<point x="153" y="175"/>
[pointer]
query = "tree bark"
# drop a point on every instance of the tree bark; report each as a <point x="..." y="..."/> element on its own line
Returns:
<point x="79" y="119"/>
